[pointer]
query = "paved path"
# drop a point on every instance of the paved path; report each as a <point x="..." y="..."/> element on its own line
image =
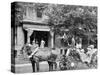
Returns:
<point x="27" y="68"/>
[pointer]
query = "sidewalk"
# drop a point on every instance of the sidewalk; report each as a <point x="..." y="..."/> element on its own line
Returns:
<point x="27" y="68"/>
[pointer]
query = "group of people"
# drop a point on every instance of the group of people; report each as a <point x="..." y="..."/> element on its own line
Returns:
<point x="36" y="44"/>
<point x="86" y="56"/>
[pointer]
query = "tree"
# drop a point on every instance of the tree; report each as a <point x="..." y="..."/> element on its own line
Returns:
<point x="79" y="20"/>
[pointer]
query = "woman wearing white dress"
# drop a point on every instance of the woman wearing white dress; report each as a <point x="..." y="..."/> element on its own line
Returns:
<point x="42" y="43"/>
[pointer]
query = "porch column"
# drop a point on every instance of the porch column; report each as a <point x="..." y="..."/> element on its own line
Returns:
<point x="81" y="41"/>
<point x="29" y="33"/>
<point x="52" y="39"/>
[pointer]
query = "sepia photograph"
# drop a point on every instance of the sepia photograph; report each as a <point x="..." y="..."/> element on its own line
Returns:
<point x="53" y="37"/>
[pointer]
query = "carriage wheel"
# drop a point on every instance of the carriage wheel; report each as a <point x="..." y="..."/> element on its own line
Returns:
<point x="68" y="64"/>
<point x="73" y="63"/>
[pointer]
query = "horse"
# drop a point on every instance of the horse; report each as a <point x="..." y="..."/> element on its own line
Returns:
<point x="43" y="54"/>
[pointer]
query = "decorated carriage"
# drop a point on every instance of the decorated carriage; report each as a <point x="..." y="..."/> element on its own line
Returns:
<point x="74" y="55"/>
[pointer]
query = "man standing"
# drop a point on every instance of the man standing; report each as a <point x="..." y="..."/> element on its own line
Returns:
<point x="34" y="48"/>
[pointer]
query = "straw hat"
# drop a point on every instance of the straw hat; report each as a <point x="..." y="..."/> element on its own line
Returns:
<point x="91" y="46"/>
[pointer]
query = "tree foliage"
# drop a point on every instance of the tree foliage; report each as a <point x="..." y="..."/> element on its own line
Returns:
<point x="79" y="20"/>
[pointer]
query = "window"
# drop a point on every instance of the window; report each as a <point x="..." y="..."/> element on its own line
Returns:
<point x="39" y="13"/>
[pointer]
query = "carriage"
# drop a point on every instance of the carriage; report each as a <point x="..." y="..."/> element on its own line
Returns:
<point x="75" y="55"/>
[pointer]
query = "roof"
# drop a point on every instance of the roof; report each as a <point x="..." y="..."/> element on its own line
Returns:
<point x="34" y="23"/>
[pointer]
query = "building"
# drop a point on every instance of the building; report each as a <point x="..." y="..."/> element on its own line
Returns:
<point x="34" y="25"/>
